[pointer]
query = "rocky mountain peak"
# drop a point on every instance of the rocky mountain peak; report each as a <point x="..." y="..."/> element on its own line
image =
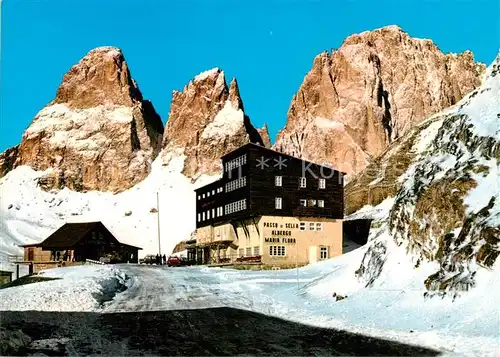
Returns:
<point x="102" y="77"/>
<point x="207" y="120"/>
<point x="359" y="98"/>
<point x="97" y="134"/>
<point x="234" y="95"/>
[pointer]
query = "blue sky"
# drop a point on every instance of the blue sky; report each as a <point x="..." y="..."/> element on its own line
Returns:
<point x="267" y="45"/>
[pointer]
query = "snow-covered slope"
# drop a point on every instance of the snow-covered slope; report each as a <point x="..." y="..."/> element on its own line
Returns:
<point x="446" y="210"/>
<point x="29" y="214"/>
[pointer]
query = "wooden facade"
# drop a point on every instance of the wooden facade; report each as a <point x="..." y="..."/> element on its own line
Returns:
<point x="74" y="243"/>
<point x="259" y="173"/>
<point x="262" y="185"/>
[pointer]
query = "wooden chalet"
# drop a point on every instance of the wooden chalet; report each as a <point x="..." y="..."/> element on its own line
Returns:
<point x="74" y="243"/>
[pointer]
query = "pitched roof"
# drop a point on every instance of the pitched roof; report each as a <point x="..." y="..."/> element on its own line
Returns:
<point x="263" y="148"/>
<point x="70" y="234"/>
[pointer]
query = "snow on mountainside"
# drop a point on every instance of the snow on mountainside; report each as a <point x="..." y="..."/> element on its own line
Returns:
<point x="97" y="134"/>
<point x="446" y="210"/>
<point x="29" y="214"/>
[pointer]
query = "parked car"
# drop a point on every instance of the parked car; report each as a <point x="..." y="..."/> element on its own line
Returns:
<point x="148" y="259"/>
<point x="175" y="261"/>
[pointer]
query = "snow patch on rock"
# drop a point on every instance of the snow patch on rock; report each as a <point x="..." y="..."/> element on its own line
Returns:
<point x="206" y="74"/>
<point x="228" y="121"/>
<point x="325" y="123"/>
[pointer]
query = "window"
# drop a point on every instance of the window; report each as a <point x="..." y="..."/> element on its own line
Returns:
<point x="321" y="203"/>
<point x="199" y="197"/>
<point x="239" y="161"/>
<point x="311" y="203"/>
<point x="208" y="214"/>
<point x="256" y="250"/>
<point x="213" y="212"/>
<point x="278" y="180"/>
<point x="208" y="194"/>
<point x="249" y="251"/>
<point x="311" y="226"/>
<point x="203" y="216"/>
<point x="323" y="253"/>
<point x="322" y="183"/>
<point x="303" y="202"/>
<point x="199" y="217"/>
<point x="213" y="192"/>
<point x="235" y="184"/>
<point x="236" y="206"/>
<point x="277" y="250"/>
<point x="302" y="226"/>
<point x="277" y="202"/>
<point x="319" y="226"/>
<point x="203" y="196"/>
<point x="241" y="252"/>
<point x="302" y="182"/>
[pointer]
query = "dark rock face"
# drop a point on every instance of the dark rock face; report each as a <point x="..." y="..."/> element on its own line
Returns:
<point x="8" y="159"/>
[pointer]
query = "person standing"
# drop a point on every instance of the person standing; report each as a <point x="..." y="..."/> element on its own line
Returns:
<point x="164" y="259"/>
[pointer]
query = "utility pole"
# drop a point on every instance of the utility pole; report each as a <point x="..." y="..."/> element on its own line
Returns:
<point x="158" y="216"/>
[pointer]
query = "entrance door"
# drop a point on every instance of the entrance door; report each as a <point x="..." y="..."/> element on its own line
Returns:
<point x="206" y="255"/>
<point x="31" y="254"/>
<point x="313" y="254"/>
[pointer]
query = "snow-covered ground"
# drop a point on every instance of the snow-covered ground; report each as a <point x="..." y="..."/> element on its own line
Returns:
<point x="395" y="307"/>
<point x="29" y="214"/>
<point x="80" y="288"/>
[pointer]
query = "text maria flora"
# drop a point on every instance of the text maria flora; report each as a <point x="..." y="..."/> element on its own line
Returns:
<point x="280" y="236"/>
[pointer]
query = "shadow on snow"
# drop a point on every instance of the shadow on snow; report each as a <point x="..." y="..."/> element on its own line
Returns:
<point x="208" y="332"/>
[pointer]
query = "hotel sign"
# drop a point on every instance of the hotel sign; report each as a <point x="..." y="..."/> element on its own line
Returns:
<point x="279" y="240"/>
<point x="276" y="225"/>
<point x="281" y="235"/>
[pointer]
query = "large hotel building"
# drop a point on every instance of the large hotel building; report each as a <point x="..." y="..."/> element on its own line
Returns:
<point x="271" y="208"/>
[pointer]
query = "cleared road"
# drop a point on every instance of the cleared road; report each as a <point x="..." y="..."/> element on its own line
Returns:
<point x="180" y="311"/>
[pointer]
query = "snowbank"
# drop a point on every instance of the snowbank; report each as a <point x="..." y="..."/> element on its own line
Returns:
<point x="82" y="288"/>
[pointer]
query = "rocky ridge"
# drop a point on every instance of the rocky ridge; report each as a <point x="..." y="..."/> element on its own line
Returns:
<point x="446" y="206"/>
<point x="206" y="121"/>
<point x="97" y="134"/>
<point x="358" y="99"/>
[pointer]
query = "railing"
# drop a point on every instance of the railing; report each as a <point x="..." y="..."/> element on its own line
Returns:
<point x="15" y="258"/>
<point x="251" y="259"/>
<point x="91" y="261"/>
